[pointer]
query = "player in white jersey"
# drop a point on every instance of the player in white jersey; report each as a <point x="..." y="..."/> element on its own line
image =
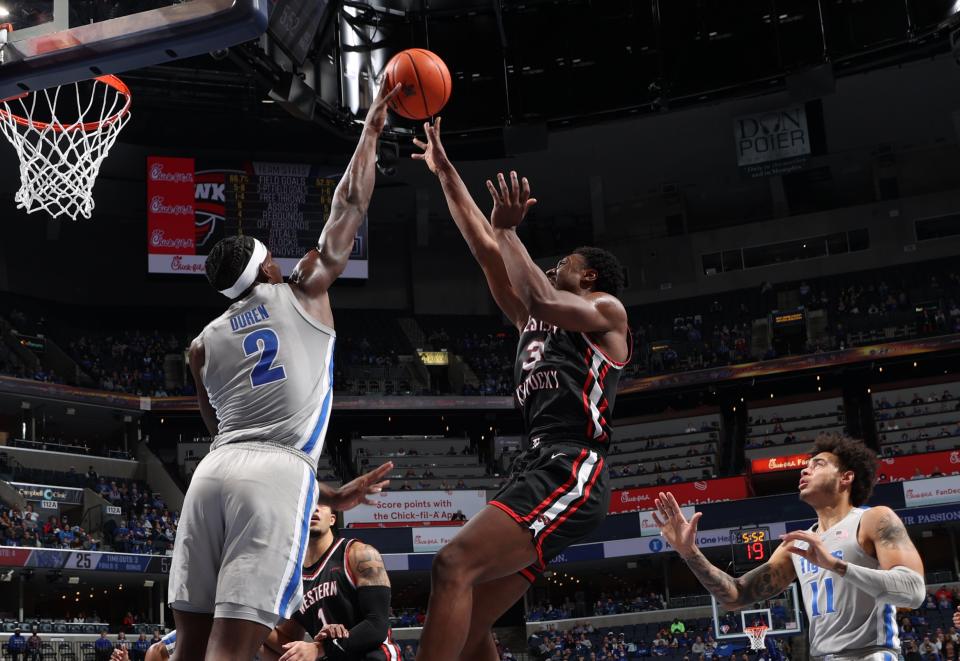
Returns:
<point x="264" y="372"/>
<point x="856" y="565"/>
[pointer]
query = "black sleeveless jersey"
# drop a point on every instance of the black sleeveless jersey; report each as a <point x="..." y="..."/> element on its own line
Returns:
<point x="566" y="386"/>
<point x="330" y="597"/>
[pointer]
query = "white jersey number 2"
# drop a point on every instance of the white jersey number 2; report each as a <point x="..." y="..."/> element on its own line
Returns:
<point x="265" y="342"/>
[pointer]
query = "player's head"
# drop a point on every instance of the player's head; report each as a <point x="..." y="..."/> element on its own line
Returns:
<point x="322" y="520"/>
<point x="839" y="467"/>
<point x="588" y="269"/>
<point x="237" y="262"/>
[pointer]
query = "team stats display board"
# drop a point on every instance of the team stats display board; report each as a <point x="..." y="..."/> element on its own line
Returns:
<point x="192" y="204"/>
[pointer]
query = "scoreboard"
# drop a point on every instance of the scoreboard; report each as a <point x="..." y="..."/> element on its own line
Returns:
<point x="751" y="547"/>
<point x="193" y="204"/>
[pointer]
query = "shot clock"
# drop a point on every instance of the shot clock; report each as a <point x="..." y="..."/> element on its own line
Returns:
<point x="751" y="547"/>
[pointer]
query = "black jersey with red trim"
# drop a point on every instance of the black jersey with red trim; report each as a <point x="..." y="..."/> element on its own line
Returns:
<point x="330" y="597"/>
<point x="566" y="385"/>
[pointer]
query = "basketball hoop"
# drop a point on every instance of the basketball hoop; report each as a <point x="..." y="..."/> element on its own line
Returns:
<point x="757" y="637"/>
<point x="62" y="135"/>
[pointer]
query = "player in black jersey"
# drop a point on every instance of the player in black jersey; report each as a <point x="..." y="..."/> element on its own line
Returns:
<point x="345" y="607"/>
<point x="574" y="342"/>
<point x="346" y="602"/>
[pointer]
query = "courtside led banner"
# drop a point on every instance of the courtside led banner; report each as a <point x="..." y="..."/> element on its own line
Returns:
<point x="431" y="540"/>
<point x="686" y="493"/>
<point x="416" y="507"/>
<point x="773" y="464"/>
<point x="191" y="205"/>
<point x="935" y="491"/>
<point x="919" y="466"/>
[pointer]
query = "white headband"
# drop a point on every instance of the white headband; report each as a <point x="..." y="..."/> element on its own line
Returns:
<point x="249" y="272"/>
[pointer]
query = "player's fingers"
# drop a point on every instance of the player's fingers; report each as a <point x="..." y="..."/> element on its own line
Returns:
<point x="662" y="506"/>
<point x="656" y="519"/>
<point x="525" y="193"/>
<point x="390" y="93"/>
<point x="529" y="204"/>
<point x="514" y="187"/>
<point x="493" y="193"/>
<point x="673" y="505"/>
<point x="379" y="472"/>
<point x="504" y="191"/>
<point x="419" y="143"/>
<point x="436" y="127"/>
<point x="379" y="486"/>
<point x="695" y="519"/>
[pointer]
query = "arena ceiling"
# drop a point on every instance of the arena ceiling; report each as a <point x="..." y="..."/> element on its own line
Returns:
<point x="531" y="65"/>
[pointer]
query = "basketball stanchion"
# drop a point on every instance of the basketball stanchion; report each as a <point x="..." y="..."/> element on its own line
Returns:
<point x="62" y="135"/>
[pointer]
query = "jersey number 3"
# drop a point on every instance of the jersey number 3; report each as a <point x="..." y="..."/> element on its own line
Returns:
<point x="266" y="343"/>
<point x="534" y="355"/>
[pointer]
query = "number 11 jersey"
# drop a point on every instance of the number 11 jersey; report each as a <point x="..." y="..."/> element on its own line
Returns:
<point x="269" y="372"/>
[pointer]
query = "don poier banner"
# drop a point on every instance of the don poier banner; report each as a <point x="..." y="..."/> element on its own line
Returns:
<point x="171" y="218"/>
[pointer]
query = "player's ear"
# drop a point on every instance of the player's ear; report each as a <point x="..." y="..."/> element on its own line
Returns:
<point x="590" y="275"/>
<point x="847" y="477"/>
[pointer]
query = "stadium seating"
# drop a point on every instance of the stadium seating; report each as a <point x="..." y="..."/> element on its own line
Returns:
<point x="676" y="449"/>
<point x="795" y="425"/>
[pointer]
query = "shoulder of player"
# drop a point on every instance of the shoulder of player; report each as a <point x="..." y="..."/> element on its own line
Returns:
<point x="357" y="552"/>
<point x="367" y="564"/>
<point x="878" y="520"/>
<point x="874" y="517"/>
<point x="197" y="352"/>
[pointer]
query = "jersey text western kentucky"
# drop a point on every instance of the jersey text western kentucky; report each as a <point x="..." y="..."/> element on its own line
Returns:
<point x="566" y="385"/>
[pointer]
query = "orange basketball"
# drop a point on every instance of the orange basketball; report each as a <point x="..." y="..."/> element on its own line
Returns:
<point x="426" y="83"/>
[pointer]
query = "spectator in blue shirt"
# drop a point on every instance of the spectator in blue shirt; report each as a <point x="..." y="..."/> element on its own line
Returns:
<point x="103" y="648"/>
<point x="140" y="647"/>
<point x="17" y="645"/>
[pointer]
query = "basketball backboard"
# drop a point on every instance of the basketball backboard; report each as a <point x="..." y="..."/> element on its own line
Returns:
<point x="60" y="41"/>
<point x="781" y="614"/>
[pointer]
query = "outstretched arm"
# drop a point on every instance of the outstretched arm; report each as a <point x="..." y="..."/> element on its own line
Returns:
<point x="767" y="580"/>
<point x="320" y="267"/>
<point x="472" y="224"/>
<point x="597" y="313"/>
<point x="357" y="491"/>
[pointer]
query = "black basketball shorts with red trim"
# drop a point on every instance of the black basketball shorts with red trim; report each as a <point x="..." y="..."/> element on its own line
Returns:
<point x="561" y="493"/>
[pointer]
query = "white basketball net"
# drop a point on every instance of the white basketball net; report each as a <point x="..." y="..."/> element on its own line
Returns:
<point x="757" y="636"/>
<point x="60" y="155"/>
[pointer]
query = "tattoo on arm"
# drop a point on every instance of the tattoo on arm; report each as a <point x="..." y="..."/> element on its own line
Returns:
<point x="761" y="583"/>
<point x="890" y="532"/>
<point x="368" y="564"/>
<point x="717" y="582"/>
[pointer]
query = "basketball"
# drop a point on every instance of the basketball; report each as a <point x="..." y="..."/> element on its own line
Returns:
<point x="426" y="83"/>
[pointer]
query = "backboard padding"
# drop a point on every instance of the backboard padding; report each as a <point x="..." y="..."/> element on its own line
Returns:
<point x="51" y="53"/>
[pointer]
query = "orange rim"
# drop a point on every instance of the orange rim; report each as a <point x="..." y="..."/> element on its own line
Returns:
<point x="86" y="127"/>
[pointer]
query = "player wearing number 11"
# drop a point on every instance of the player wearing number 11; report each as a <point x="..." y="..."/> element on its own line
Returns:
<point x="264" y="375"/>
<point x="856" y="565"/>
